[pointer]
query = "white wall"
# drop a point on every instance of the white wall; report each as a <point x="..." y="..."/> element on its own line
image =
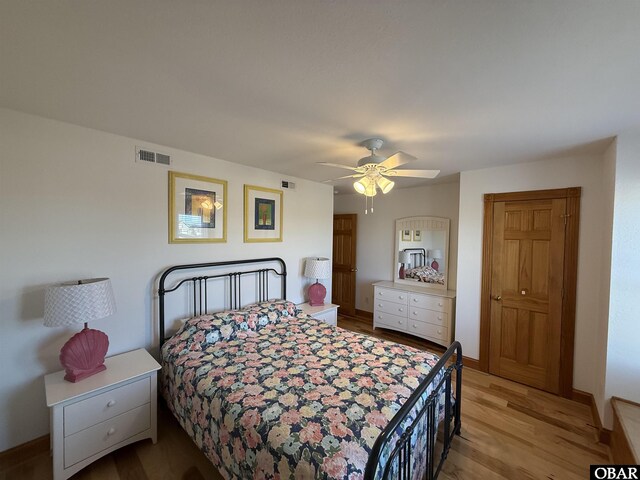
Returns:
<point x="73" y="204"/>
<point x="623" y="367"/>
<point x="600" y="353"/>
<point x="556" y="173"/>
<point x="376" y="231"/>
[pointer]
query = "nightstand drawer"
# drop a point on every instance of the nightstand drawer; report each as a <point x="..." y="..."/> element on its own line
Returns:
<point x="429" y="316"/>
<point x="422" y="329"/>
<point x="430" y="302"/>
<point x="90" y="441"/>
<point x="386" y="320"/>
<point x="391" y="295"/>
<point x="85" y="413"/>
<point x="385" y="306"/>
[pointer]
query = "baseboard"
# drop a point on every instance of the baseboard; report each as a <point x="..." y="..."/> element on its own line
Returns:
<point x="586" y="398"/>
<point x="18" y="454"/>
<point x="471" y="363"/>
<point x="364" y="314"/>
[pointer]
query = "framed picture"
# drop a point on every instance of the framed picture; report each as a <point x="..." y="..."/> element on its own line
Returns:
<point x="197" y="209"/>
<point x="417" y="235"/>
<point x="262" y="214"/>
<point x="406" y="235"/>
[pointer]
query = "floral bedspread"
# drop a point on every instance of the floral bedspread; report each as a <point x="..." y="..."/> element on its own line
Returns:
<point x="268" y="392"/>
<point x="425" y="274"/>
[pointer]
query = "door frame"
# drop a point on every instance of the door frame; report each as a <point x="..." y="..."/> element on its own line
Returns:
<point x="570" y="272"/>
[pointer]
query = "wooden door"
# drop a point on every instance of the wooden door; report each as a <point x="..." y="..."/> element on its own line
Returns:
<point x="526" y="291"/>
<point x="343" y="285"/>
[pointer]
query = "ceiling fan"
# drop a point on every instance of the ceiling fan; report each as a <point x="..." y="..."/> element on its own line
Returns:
<point x="374" y="170"/>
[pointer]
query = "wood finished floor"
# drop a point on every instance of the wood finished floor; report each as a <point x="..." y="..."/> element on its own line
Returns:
<point x="509" y="431"/>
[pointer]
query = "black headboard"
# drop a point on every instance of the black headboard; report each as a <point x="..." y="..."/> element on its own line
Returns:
<point x="200" y="289"/>
<point x="421" y="253"/>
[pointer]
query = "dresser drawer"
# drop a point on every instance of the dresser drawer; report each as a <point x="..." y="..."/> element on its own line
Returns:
<point x="439" y="304"/>
<point x="85" y="413"/>
<point x="428" y="316"/>
<point x="386" y="320"/>
<point x="385" y="306"/>
<point x="92" y="440"/>
<point x="391" y="295"/>
<point x="422" y="329"/>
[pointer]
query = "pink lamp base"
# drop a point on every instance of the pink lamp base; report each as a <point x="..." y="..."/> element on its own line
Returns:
<point x="317" y="292"/>
<point x="83" y="354"/>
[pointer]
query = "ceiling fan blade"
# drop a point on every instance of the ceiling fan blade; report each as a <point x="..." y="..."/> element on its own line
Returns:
<point x="337" y="165"/>
<point x="346" y="176"/>
<point x="413" y="173"/>
<point x="397" y="159"/>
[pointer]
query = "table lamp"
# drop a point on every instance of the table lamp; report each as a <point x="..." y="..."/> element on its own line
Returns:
<point x="318" y="268"/>
<point x="76" y="302"/>
<point x="435" y="254"/>
<point x="403" y="259"/>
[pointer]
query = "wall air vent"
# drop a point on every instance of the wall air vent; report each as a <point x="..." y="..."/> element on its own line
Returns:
<point x="288" y="184"/>
<point x="144" y="155"/>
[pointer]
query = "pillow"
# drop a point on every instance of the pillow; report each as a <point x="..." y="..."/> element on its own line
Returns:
<point x="199" y="332"/>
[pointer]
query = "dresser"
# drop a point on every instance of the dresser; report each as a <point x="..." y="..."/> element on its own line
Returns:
<point x="101" y="413"/>
<point x="421" y="311"/>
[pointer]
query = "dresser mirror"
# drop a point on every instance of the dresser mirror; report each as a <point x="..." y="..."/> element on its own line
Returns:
<point x="422" y="251"/>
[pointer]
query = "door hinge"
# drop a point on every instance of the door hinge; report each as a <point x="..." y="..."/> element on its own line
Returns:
<point x="565" y="216"/>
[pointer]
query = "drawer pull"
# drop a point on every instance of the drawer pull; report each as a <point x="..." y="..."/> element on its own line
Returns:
<point x="415" y="300"/>
<point x="415" y="326"/>
<point x="380" y="293"/>
<point x="439" y="304"/>
<point x="400" y="310"/>
<point x="439" y="332"/>
<point x="439" y="318"/>
<point x="111" y="431"/>
<point x="111" y="403"/>
<point x="400" y="297"/>
<point x="399" y="322"/>
<point x="380" y="305"/>
<point x="415" y="313"/>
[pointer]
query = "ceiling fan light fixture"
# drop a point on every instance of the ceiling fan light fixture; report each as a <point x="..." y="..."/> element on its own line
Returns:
<point x="385" y="184"/>
<point x="359" y="187"/>
<point x="370" y="191"/>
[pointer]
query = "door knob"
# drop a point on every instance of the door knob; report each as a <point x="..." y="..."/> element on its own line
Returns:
<point x="354" y="269"/>
<point x="497" y="298"/>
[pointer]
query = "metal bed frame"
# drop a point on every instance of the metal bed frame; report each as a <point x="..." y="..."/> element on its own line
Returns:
<point x="421" y="253"/>
<point x="391" y="439"/>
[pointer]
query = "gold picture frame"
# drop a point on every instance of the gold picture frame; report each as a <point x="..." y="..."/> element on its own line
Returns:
<point x="197" y="209"/>
<point x="263" y="217"/>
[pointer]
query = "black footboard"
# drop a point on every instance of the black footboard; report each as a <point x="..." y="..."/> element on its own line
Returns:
<point x="401" y="460"/>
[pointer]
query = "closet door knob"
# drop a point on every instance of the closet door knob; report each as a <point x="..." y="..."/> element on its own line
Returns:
<point x="111" y="403"/>
<point x="111" y="431"/>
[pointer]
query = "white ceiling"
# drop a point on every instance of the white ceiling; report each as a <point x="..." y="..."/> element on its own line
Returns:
<point x="283" y="84"/>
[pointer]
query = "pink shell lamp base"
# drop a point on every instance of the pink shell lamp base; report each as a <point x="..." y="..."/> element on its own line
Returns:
<point x="435" y="265"/>
<point x="317" y="292"/>
<point x="83" y="354"/>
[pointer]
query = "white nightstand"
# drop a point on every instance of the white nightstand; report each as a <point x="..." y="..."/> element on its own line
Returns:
<point x="327" y="312"/>
<point x="102" y="413"/>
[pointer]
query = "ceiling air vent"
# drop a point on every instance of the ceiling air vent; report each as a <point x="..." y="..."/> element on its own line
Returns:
<point x="144" y="155"/>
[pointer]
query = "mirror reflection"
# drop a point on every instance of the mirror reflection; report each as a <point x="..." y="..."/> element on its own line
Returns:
<point x="421" y="251"/>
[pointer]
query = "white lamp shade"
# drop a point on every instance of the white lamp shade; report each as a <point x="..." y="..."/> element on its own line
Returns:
<point x="385" y="184"/>
<point x="435" y="253"/>
<point x="78" y="302"/>
<point x="317" y="268"/>
<point x="404" y="257"/>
